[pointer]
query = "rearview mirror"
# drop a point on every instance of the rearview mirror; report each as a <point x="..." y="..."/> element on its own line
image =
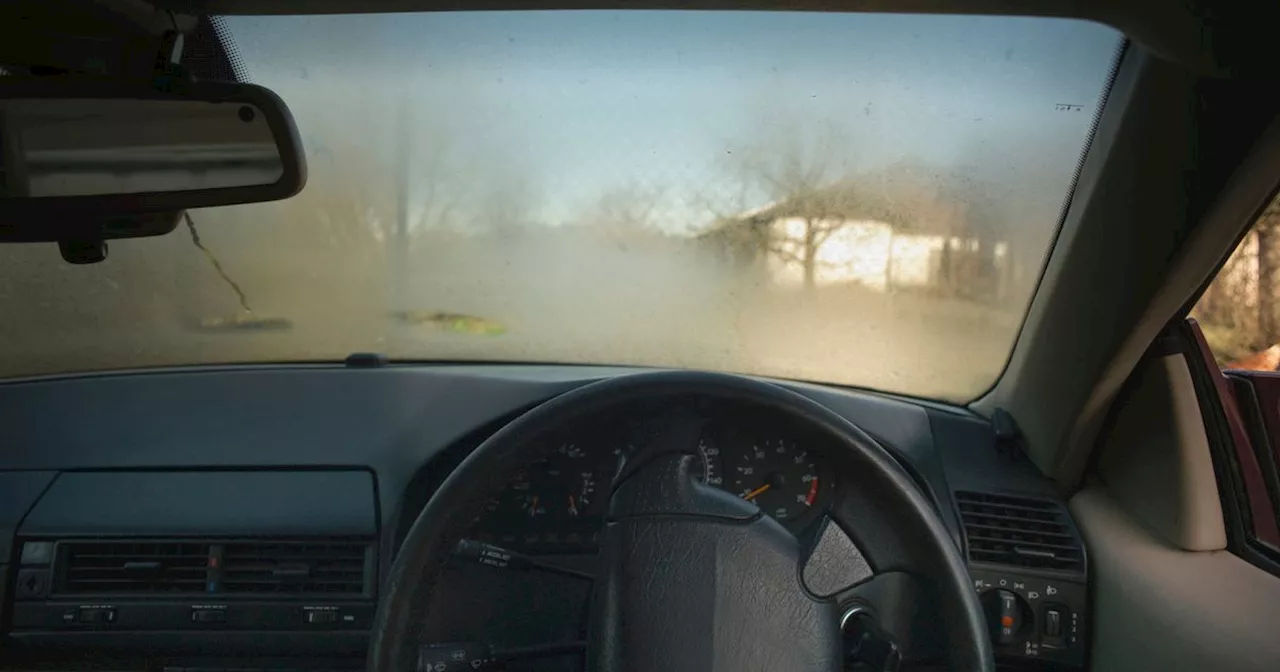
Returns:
<point x="80" y="147"/>
<point x="84" y="159"/>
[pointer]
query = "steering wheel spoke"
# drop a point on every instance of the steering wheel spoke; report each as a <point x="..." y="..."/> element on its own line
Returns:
<point x="833" y="563"/>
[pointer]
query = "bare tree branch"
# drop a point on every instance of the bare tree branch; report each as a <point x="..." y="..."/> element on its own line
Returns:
<point x="785" y="254"/>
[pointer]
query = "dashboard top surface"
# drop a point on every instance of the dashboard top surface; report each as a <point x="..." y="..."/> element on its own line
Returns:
<point x="321" y="416"/>
<point x="407" y="424"/>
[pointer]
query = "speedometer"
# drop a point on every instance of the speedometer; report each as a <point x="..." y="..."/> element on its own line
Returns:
<point x="777" y="475"/>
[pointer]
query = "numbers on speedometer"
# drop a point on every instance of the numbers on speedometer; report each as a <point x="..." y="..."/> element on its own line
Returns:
<point x="708" y="469"/>
<point x="777" y="475"/>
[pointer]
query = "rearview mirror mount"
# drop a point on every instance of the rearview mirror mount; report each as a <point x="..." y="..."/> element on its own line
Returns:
<point x="84" y="161"/>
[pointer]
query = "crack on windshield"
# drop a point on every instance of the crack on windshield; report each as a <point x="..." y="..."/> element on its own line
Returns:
<point x="222" y="273"/>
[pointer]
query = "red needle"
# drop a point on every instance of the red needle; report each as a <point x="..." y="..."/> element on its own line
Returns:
<point x="813" y="492"/>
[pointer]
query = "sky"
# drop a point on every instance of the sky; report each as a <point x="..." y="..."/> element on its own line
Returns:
<point x="565" y="106"/>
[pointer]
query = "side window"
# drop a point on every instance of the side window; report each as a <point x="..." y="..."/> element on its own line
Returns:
<point x="1240" y="311"/>
<point x="1239" y="323"/>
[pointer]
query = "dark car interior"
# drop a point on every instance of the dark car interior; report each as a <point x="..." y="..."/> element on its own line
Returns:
<point x="1109" y="504"/>
<point x="334" y="493"/>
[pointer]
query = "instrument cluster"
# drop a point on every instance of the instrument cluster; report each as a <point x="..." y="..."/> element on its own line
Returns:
<point x="557" y="504"/>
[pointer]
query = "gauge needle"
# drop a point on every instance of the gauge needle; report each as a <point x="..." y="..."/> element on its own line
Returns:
<point x="573" y="506"/>
<point x="757" y="492"/>
<point x="533" y="507"/>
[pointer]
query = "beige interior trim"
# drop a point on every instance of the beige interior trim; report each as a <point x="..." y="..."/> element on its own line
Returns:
<point x="1078" y="316"/>
<point x="1156" y="462"/>
<point x="1208" y="245"/>
<point x="1157" y="607"/>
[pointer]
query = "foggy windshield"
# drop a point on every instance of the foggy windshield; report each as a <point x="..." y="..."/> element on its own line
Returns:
<point x="859" y="199"/>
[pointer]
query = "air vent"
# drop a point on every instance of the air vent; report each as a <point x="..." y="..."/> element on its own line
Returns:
<point x="296" y="568"/>
<point x="1018" y="531"/>
<point x="116" y="568"/>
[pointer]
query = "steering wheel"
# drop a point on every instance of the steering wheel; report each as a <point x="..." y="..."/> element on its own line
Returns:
<point x="691" y="578"/>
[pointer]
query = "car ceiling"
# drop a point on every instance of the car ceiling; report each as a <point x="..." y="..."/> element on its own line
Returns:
<point x="1207" y="37"/>
<point x="1194" y="94"/>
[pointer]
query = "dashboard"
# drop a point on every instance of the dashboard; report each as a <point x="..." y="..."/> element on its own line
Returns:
<point x="228" y="518"/>
<point x="557" y="504"/>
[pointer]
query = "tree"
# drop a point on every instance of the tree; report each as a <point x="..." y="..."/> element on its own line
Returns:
<point x="1268" y="236"/>
<point x="800" y="172"/>
<point x="628" y="214"/>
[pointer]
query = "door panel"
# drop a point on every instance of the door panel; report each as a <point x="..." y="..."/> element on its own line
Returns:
<point x="1158" y="607"/>
<point x="1160" y="603"/>
<point x="1257" y="396"/>
<point x="1241" y="468"/>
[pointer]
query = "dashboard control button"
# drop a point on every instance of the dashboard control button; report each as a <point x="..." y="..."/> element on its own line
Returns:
<point x="1007" y="616"/>
<point x="97" y="615"/>
<point x="37" y="553"/>
<point x="316" y="616"/>
<point x="208" y="615"/>
<point x="455" y="657"/>
<point x="1010" y="617"/>
<point x="32" y="583"/>
<point x="1053" y="623"/>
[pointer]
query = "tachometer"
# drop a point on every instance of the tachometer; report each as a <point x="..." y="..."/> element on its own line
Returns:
<point x="777" y="475"/>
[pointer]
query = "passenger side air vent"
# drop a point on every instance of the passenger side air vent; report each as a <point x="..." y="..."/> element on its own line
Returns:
<point x="1018" y="531"/>
<point x="97" y="568"/>
<point x="294" y="568"/>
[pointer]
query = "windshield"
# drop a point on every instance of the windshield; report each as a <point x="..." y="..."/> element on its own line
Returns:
<point x="856" y="199"/>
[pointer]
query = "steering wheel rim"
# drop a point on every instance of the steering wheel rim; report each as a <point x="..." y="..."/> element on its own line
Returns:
<point x="451" y="511"/>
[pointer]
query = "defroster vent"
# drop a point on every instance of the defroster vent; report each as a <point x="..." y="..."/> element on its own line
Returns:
<point x="1018" y="531"/>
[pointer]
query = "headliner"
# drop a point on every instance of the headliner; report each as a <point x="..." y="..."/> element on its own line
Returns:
<point x="1219" y="38"/>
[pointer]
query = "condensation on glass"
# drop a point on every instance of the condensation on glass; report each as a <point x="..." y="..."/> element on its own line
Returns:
<point x="857" y="199"/>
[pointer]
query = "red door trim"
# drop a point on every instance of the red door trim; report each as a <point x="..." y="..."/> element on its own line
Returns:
<point x="1255" y="486"/>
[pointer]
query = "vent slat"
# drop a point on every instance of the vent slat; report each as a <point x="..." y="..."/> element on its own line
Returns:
<point x="125" y="581"/>
<point x="1014" y="519"/>
<point x="1057" y="548"/>
<point x="295" y="569"/>
<point x="93" y="568"/>
<point x="1017" y="531"/>
<point x="1023" y="531"/>
<point x="198" y="572"/>
<point x="1023" y="507"/>
<point x="143" y="556"/>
